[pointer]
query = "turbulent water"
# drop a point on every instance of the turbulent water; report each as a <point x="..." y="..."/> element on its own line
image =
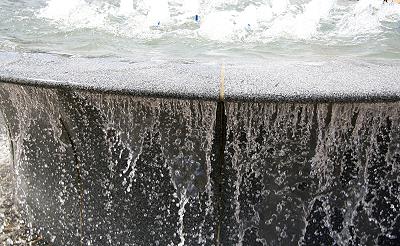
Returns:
<point x="202" y="28"/>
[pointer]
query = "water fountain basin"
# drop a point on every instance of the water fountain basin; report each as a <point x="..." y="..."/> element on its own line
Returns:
<point x="110" y="151"/>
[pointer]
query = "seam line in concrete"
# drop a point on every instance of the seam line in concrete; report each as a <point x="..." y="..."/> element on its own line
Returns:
<point x="222" y="83"/>
<point x="220" y="134"/>
<point x="12" y="150"/>
<point x="220" y="140"/>
<point x="78" y="180"/>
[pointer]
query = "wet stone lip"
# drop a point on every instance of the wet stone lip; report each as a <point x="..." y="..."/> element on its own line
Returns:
<point x="113" y="151"/>
<point x="254" y="80"/>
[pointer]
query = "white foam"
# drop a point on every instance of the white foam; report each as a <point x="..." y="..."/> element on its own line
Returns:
<point x="75" y="13"/>
<point x="226" y="21"/>
<point x="126" y="7"/>
<point x="279" y="7"/>
<point x="308" y="22"/>
<point x="221" y="31"/>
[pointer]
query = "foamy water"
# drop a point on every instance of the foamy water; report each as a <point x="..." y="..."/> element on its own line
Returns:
<point x="203" y="27"/>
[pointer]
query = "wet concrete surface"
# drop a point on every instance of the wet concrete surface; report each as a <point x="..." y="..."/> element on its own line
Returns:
<point x="13" y="230"/>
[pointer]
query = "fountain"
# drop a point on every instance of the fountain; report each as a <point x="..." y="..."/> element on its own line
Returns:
<point x="110" y="163"/>
<point x="209" y="123"/>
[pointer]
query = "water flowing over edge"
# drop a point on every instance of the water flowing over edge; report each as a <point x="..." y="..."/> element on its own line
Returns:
<point x="292" y="172"/>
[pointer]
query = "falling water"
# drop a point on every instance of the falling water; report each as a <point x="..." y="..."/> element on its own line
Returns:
<point x="102" y="169"/>
<point x="292" y="172"/>
<point x="11" y="224"/>
<point x="5" y="177"/>
<point x="312" y="173"/>
<point x="140" y="163"/>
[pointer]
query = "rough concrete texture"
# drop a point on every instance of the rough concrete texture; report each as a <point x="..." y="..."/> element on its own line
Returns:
<point x="316" y="80"/>
<point x="178" y="79"/>
<point x="263" y="80"/>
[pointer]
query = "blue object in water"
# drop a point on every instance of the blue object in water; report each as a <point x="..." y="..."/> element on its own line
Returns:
<point x="248" y="27"/>
<point x="197" y="18"/>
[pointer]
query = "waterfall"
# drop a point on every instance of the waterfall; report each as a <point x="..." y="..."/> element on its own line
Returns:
<point x="111" y="169"/>
<point x="107" y="160"/>
<point x="312" y="173"/>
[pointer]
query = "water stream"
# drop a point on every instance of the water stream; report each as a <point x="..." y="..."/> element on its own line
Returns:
<point x="318" y="174"/>
<point x="146" y="170"/>
<point x="289" y="172"/>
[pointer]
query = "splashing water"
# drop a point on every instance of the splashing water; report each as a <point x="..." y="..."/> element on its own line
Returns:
<point x="293" y="173"/>
<point x="281" y="154"/>
<point x="202" y="27"/>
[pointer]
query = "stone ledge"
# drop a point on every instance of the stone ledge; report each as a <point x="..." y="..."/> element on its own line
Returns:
<point x="254" y="80"/>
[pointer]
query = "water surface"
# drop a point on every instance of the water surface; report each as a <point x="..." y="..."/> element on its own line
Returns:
<point x="202" y="28"/>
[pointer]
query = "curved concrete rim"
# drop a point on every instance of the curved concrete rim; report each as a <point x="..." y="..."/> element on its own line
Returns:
<point x="334" y="80"/>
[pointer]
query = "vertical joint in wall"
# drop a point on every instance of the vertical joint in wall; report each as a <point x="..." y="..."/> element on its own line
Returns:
<point x="78" y="180"/>
<point x="220" y="142"/>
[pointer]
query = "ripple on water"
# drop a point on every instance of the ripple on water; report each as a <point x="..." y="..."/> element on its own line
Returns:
<point x="203" y="27"/>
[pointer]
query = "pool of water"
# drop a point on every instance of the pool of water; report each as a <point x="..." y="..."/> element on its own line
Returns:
<point x="202" y="28"/>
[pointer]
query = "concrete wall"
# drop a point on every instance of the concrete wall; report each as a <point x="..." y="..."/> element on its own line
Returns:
<point x="97" y="168"/>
